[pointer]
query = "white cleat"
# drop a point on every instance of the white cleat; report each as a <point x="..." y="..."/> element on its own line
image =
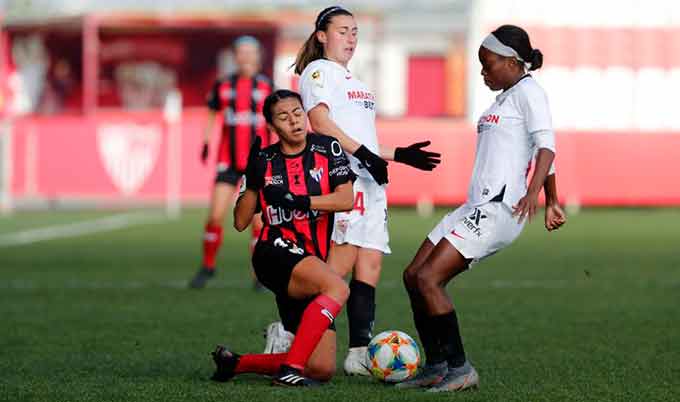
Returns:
<point x="277" y="339"/>
<point x="356" y="362"/>
<point x="458" y="379"/>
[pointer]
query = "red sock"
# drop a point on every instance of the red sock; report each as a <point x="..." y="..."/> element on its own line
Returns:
<point x="267" y="364"/>
<point x="211" y="243"/>
<point x="318" y="315"/>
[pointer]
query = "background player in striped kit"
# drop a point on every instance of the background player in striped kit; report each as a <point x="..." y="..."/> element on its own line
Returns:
<point x="239" y="98"/>
<point x="298" y="183"/>
<point x="515" y="127"/>
<point x="340" y="105"/>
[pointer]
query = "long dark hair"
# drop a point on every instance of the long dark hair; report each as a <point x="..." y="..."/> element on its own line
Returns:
<point x="313" y="49"/>
<point x="518" y="39"/>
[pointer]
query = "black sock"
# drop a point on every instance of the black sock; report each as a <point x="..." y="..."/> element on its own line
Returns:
<point x="360" y="313"/>
<point x="446" y="328"/>
<point x="426" y="335"/>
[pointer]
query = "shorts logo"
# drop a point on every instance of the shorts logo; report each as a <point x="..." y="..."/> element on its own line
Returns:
<point x="472" y="221"/>
<point x="453" y="232"/>
<point x="477" y="216"/>
<point x="292" y="247"/>
<point x="316" y="174"/>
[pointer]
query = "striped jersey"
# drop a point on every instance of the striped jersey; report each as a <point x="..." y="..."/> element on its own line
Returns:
<point x="240" y="101"/>
<point x="317" y="170"/>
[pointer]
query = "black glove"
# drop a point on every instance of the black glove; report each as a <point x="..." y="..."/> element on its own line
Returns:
<point x="280" y="197"/>
<point x="204" y="152"/>
<point x="375" y="165"/>
<point x="254" y="179"/>
<point x="415" y="156"/>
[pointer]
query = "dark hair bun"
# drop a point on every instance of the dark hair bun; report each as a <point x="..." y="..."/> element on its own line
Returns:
<point x="536" y="59"/>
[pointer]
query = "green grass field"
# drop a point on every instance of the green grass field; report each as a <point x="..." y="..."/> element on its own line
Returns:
<point x="589" y="313"/>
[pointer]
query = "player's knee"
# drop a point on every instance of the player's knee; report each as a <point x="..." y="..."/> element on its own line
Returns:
<point x="425" y="281"/>
<point x="410" y="278"/>
<point x="320" y="370"/>
<point x="337" y="289"/>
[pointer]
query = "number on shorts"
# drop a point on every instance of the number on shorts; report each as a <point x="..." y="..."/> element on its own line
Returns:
<point x="359" y="202"/>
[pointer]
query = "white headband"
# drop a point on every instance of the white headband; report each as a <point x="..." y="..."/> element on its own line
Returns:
<point x="492" y="43"/>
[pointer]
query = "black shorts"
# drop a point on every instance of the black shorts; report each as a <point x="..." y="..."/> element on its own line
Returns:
<point x="273" y="267"/>
<point x="228" y="175"/>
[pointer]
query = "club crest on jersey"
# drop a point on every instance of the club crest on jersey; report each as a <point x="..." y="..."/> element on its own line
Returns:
<point x="316" y="174"/>
<point x="129" y="153"/>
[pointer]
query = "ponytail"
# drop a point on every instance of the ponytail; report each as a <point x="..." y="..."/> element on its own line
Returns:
<point x="310" y="51"/>
<point x="313" y="49"/>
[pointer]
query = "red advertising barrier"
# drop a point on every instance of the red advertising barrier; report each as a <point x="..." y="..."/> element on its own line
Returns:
<point x="124" y="156"/>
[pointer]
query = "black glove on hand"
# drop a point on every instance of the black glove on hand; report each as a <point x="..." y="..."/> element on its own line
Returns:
<point x="204" y="152"/>
<point x="415" y="156"/>
<point x="375" y="165"/>
<point x="254" y="179"/>
<point x="280" y="197"/>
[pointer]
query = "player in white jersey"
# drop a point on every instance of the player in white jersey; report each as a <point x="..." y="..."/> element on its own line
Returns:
<point x="340" y="105"/>
<point x="515" y="127"/>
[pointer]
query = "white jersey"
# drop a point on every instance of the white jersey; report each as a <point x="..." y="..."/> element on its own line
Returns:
<point x="350" y="103"/>
<point x="510" y="132"/>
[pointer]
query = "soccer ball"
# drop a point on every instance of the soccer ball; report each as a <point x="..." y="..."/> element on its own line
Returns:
<point x="393" y="356"/>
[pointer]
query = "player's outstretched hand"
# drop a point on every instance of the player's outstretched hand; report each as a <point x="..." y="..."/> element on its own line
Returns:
<point x="280" y="197"/>
<point x="375" y="165"/>
<point x="414" y="155"/>
<point x="204" y="153"/>
<point x="254" y="179"/>
<point x="554" y="217"/>
<point x="526" y="207"/>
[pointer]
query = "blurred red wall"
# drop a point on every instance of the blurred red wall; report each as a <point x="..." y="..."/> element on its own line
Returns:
<point x="114" y="156"/>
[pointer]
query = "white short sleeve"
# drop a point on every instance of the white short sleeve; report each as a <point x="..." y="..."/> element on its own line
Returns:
<point x="536" y="113"/>
<point x="316" y="84"/>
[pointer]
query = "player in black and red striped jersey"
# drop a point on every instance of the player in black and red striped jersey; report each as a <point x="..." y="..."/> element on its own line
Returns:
<point x="298" y="183"/>
<point x="239" y="98"/>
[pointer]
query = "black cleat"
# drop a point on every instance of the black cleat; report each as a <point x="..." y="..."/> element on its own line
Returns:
<point x="225" y="363"/>
<point x="290" y="377"/>
<point x="202" y="276"/>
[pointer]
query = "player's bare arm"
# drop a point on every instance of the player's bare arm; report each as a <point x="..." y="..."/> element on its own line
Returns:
<point x="342" y="199"/>
<point x="554" y="215"/>
<point x="244" y="210"/>
<point x="206" y="135"/>
<point x="527" y="205"/>
<point x="322" y="124"/>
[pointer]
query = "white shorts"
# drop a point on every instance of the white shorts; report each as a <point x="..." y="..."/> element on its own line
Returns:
<point x="478" y="232"/>
<point x="366" y="225"/>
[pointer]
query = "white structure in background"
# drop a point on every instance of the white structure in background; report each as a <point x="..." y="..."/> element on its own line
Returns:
<point x="593" y="93"/>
